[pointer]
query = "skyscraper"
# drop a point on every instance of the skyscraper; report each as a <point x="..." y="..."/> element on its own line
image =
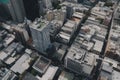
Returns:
<point x="40" y="34"/>
<point x="31" y="9"/>
<point x="47" y="4"/>
<point x="41" y="8"/>
<point x="4" y="13"/>
<point x="44" y="6"/>
<point x="69" y="11"/>
<point x="16" y="9"/>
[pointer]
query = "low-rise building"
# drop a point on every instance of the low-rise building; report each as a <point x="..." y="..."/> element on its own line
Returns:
<point x="91" y="35"/>
<point x="21" y="64"/>
<point x="67" y="31"/>
<point x="41" y="65"/>
<point x="29" y="76"/>
<point x="66" y="76"/>
<point x="113" y="46"/>
<point x="109" y="70"/>
<point x="59" y="15"/>
<point x="102" y="13"/>
<point x="49" y="74"/>
<point x="6" y="74"/>
<point x="80" y="61"/>
<point x="8" y="54"/>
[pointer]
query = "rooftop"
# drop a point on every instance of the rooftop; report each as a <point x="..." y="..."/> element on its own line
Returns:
<point x="78" y="15"/>
<point x="64" y="35"/>
<point x="13" y="47"/>
<point x="3" y="72"/>
<point x="8" y="39"/>
<point x="41" y="64"/>
<point x="21" y="64"/>
<point x="66" y="76"/>
<point x="70" y="24"/>
<point x="29" y="76"/>
<point x="77" y="20"/>
<point x="106" y="67"/>
<point x="91" y="37"/>
<point x="81" y="56"/>
<point x="98" y="45"/>
<point x="39" y="24"/>
<point x="108" y="72"/>
<point x="49" y="74"/>
<point x="76" y="6"/>
<point x="101" y="10"/>
<point x="115" y="75"/>
<point x="114" y="40"/>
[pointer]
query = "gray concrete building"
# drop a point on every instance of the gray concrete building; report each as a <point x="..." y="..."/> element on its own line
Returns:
<point x="16" y="9"/>
<point x="40" y="34"/>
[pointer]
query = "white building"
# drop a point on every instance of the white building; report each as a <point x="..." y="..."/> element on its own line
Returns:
<point x="80" y="61"/>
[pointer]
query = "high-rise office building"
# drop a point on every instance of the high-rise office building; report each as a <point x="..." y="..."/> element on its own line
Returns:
<point x="44" y="6"/>
<point x="41" y="8"/>
<point x="47" y="4"/>
<point x="16" y="9"/>
<point x="40" y="34"/>
<point x="4" y="13"/>
<point x="31" y="9"/>
<point x="69" y="11"/>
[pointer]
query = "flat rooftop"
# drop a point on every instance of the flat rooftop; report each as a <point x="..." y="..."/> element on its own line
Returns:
<point x="29" y="76"/>
<point x="39" y="24"/>
<point x="80" y="55"/>
<point x="70" y="24"/>
<point x="78" y="15"/>
<point x="21" y="64"/>
<point x="98" y="45"/>
<point x="3" y="72"/>
<point x="116" y="75"/>
<point x="42" y="64"/>
<point x="77" y="20"/>
<point x="50" y="73"/>
<point x="66" y="76"/>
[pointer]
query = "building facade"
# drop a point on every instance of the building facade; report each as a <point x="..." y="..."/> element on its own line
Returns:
<point x="16" y="9"/>
<point x="40" y="35"/>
